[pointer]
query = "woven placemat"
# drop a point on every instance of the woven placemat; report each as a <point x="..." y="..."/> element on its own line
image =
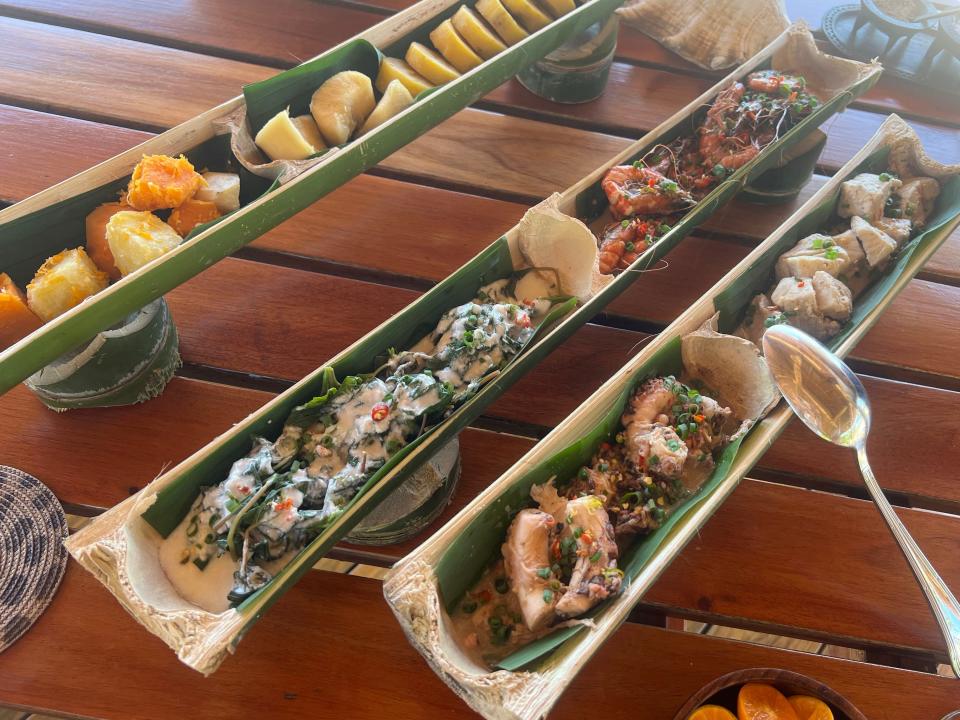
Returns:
<point x="32" y="556"/>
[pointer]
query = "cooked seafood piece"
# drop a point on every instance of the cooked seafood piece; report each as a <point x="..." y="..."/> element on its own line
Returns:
<point x="812" y="254"/>
<point x="834" y="299"/>
<point x="877" y="245"/>
<point x="775" y="82"/>
<point x="341" y="104"/>
<point x="623" y="242"/>
<point x="848" y="241"/>
<point x="275" y="501"/>
<point x="526" y="558"/>
<point x="917" y="197"/>
<point x="866" y="195"/>
<point x="897" y="228"/>
<point x="761" y="314"/>
<point x="595" y="576"/>
<point x="634" y="189"/>
<point x="798" y="301"/>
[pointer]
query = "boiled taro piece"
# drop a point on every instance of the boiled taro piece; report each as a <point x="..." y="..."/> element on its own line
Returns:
<point x="222" y="189"/>
<point x="341" y="104"/>
<point x="281" y="139"/>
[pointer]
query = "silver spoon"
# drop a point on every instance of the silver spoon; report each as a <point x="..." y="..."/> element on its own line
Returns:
<point x="832" y="402"/>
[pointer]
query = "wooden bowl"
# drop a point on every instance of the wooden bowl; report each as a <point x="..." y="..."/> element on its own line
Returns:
<point x="723" y="691"/>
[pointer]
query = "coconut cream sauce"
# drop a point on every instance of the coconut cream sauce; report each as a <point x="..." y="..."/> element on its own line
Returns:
<point x="469" y="342"/>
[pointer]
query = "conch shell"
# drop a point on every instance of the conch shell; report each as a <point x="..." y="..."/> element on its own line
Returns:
<point x="713" y="35"/>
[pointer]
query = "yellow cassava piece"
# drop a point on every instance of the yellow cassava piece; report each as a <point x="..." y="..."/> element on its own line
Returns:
<point x="64" y="280"/>
<point x="396" y="69"/>
<point x="453" y="47"/>
<point x="310" y="132"/>
<point x="496" y="14"/>
<point x="281" y="140"/>
<point x="433" y="67"/>
<point x="530" y="16"/>
<point x="341" y="104"/>
<point x="137" y="238"/>
<point x="476" y="33"/>
<point x="395" y="98"/>
<point x="559" y="7"/>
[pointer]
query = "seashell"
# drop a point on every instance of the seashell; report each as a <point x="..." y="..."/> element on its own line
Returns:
<point x="713" y="35"/>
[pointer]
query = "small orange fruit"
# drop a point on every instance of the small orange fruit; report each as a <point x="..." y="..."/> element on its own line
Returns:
<point x="711" y="712"/>
<point x="757" y="701"/>
<point x="810" y="708"/>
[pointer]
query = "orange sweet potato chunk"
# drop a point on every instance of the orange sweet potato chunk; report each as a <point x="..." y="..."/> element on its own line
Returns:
<point x="16" y="319"/>
<point x="97" y="247"/>
<point x="192" y="213"/>
<point x="161" y="181"/>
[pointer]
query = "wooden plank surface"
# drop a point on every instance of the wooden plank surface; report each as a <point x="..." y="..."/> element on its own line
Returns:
<point x="331" y="644"/>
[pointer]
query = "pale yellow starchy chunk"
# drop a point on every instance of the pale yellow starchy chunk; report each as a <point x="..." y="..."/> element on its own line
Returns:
<point x="395" y="69"/>
<point x="529" y="15"/>
<point x="281" y="140"/>
<point x="395" y="98"/>
<point x="137" y="238"/>
<point x="62" y="282"/>
<point x="341" y="104"/>
<point x="453" y="47"/>
<point x="559" y="7"/>
<point x="500" y="20"/>
<point x="433" y="67"/>
<point x="222" y="189"/>
<point x="310" y="132"/>
<point x="476" y="33"/>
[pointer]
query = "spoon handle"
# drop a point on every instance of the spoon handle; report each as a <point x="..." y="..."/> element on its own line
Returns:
<point x="944" y="605"/>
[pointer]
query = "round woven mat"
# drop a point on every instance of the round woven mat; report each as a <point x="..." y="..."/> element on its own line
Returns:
<point x="32" y="555"/>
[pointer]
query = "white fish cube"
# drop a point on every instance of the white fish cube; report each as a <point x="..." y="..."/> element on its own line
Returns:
<point x="834" y="299"/>
<point x="916" y="199"/>
<point x="877" y="245"/>
<point x="865" y="195"/>
<point x="813" y="253"/>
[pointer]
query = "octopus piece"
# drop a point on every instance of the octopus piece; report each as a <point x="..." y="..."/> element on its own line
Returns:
<point x="866" y="195"/>
<point x="917" y="198"/>
<point x="526" y="556"/>
<point x="877" y="245"/>
<point x="659" y="447"/>
<point x="595" y="576"/>
<point x="633" y="189"/>
<point x="651" y="405"/>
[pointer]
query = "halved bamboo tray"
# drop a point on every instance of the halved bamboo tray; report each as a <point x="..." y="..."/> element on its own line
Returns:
<point x="48" y="222"/>
<point x="202" y="639"/>
<point x="421" y="587"/>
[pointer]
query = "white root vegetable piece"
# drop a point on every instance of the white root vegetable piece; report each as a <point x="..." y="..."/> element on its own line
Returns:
<point x="550" y="239"/>
<point x="865" y="195"/>
<point x="812" y="253"/>
<point x="395" y="98"/>
<point x="341" y="104"/>
<point x="525" y="552"/>
<point x="280" y="139"/>
<point x="310" y="132"/>
<point x="222" y="189"/>
<point x="136" y="238"/>
<point x="834" y="299"/>
<point x="64" y="280"/>
<point x="877" y="245"/>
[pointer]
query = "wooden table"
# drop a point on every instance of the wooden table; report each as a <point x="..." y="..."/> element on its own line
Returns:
<point x="797" y="550"/>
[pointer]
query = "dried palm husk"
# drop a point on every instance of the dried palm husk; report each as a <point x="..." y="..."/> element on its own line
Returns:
<point x="714" y="35"/>
<point x="425" y="585"/>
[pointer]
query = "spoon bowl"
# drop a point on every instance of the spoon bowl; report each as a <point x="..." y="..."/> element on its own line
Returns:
<point x="830" y="400"/>
<point x="824" y="393"/>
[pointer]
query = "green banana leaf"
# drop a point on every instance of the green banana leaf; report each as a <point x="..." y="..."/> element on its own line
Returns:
<point x="26" y="241"/>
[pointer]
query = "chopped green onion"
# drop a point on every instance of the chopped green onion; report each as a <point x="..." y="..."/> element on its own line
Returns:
<point x="548" y="596"/>
<point x="501" y="585"/>
<point x="816" y="243"/>
<point x="624" y="223"/>
<point x="595" y="557"/>
<point x="630" y="247"/>
<point x="543" y="572"/>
